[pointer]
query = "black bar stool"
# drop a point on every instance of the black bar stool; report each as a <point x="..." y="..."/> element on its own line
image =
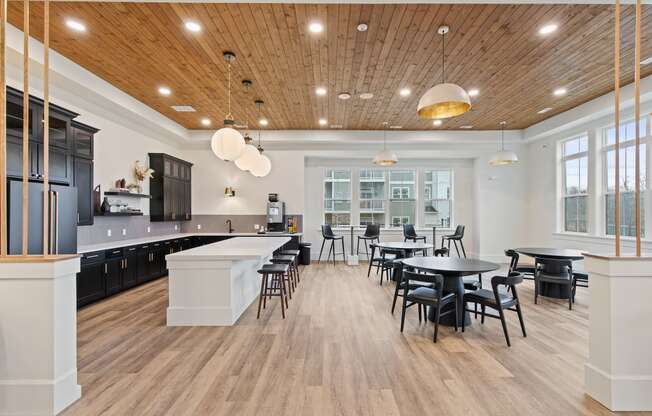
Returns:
<point x="273" y="284"/>
<point x="291" y="274"/>
<point x="296" y="254"/>
<point x="409" y="233"/>
<point x="327" y="234"/>
<point x="457" y="236"/>
<point x="371" y="234"/>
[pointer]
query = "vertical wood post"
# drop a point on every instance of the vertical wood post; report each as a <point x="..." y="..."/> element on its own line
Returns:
<point x="3" y="131"/>
<point x="637" y="110"/>
<point x="46" y="128"/>
<point x="617" y="124"/>
<point x="25" y="217"/>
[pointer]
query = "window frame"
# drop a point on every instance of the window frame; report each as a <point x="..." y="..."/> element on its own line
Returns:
<point x="332" y="180"/>
<point x="450" y="198"/>
<point x="384" y="198"/>
<point x="564" y="195"/>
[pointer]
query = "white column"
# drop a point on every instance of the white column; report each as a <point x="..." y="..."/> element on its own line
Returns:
<point x="619" y="369"/>
<point x="38" y="336"/>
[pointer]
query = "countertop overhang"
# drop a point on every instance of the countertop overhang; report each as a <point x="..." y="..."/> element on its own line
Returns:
<point x="237" y="248"/>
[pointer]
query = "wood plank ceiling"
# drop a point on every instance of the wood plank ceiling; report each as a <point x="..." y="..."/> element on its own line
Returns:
<point x="495" y="48"/>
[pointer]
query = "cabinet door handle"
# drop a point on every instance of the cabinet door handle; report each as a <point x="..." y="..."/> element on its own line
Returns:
<point x="126" y="263"/>
<point x="93" y="256"/>
<point x="106" y="270"/>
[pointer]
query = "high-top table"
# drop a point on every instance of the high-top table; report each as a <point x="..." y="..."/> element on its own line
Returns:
<point x="406" y="247"/>
<point x="552" y="290"/>
<point x="453" y="269"/>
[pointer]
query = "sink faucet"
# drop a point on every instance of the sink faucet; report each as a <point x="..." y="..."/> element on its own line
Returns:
<point x="228" y="222"/>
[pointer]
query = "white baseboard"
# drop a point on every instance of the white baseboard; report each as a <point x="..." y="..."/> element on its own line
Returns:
<point x="619" y="393"/>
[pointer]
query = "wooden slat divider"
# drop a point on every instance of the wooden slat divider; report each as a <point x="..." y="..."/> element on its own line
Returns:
<point x="617" y="124"/>
<point x="637" y="111"/>
<point x="26" y="121"/>
<point x="3" y="131"/>
<point x="46" y="127"/>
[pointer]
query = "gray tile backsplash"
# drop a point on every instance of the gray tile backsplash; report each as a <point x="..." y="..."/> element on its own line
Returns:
<point x="136" y="227"/>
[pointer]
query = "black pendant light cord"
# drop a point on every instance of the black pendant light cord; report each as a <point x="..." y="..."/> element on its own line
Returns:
<point x="229" y="116"/>
<point x="443" y="58"/>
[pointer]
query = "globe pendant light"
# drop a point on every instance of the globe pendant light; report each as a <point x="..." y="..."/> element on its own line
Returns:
<point x="227" y="143"/>
<point x="249" y="156"/>
<point x="503" y="157"/>
<point x="444" y="100"/>
<point x="385" y="157"/>
<point x="261" y="165"/>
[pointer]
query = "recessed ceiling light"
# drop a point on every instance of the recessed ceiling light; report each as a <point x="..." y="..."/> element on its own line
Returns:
<point x="183" y="108"/>
<point x="548" y="29"/>
<point x="466" y="126"/>
<point x="560" y="91"/>
<point x="473" y="92"/>
<point x="366" y="96"/>
<point x="206" y="121"/>
<point x="164" y="91"/>
<point x="323" y="122"/>
<point x="193" y="26"/>
<point x="76" y="25"/>
<point x="263" y="122"/>
<point x="395" y="127"/>
<point x="344" y="96"/>
<point x="362" y="27"/>
<point x="316" y="27"/>
<point x="320" y="91"/>
<point x="405" y="92"/>
<point x="437" y="123"/>
<point x="544" y="110"/>
<point x="336" y="126"/>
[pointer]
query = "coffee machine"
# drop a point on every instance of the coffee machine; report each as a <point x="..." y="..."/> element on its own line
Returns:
<point x="275" y="214"/>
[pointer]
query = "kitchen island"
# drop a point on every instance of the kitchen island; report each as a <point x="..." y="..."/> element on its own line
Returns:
<point x="212" y="285"/>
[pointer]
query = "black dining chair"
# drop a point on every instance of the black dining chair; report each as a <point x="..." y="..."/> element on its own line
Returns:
<point x="424" y="296"/>
<point x="498" y="301"/>
<point x="328" y="235"/>
<point x="371" y="234"/>
<point x="390" y="260"/>
<point x="525" y="270"/>
<point x="442" y="252"/>
<point x="409" y="233"/>
<point x="455" y="237"/>
<point x="556" y="271"/>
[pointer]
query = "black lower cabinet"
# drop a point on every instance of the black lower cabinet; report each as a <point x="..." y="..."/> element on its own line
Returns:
<point x="90" y="279"/>
<point x="130" y="267"/>
<point x="114" y="275"/>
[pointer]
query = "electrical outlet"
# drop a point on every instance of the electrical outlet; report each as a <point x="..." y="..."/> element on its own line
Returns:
<point x="176" y="227"/>
<point x="199" y="226"/>
<point x="149" y="229"/>
<point x="124" y="231"/>
<point x="256" y="226"/>
<point x="108" y="232"/>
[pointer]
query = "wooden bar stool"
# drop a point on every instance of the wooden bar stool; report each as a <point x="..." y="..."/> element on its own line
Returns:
<point x="296" y="254"/>
<point x="273" y="284"/>
<point x="291" y="274"/>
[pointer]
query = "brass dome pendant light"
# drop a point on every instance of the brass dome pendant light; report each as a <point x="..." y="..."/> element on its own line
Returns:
<point x="503" y="157"/>
<point x="385" y="157"/>
<point x="443" y="100"/>
<point x="227" y="143"/>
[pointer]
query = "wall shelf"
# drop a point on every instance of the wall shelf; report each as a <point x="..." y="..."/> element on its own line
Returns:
<point x="117" y="214"/>
<point x="127" y="194"/>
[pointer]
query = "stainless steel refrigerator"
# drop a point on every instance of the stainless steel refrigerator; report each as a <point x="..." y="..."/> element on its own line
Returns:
<point x="62" y="221"/>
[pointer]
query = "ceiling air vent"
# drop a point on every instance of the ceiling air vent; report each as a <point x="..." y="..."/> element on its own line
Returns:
<point x="183" y="108"/>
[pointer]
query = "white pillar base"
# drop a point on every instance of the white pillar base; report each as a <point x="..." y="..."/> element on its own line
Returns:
<point x="352" y="260"/>
<point x="619" y="369"/>
<point x="38" y="334"/>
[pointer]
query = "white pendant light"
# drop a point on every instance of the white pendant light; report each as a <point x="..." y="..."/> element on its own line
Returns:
<point x="261" y="165"/>
<point x="227" y="143"/>
<point x="249" y="156"/>
<point x="385" y="157"/>
<point x="503" y="157"/>
<point x="443" y="100"/>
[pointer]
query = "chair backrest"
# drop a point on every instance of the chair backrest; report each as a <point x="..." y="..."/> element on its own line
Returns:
<point x="459" y="231"/>
<point x="436" y="279"/>
<point x="372" y="230"/>
<point x="512" y="279"/>
<point x="409" y="231"/>
<point x="327" y="231"/>
<point x="396" y="251"/>
<point x="513" y="263"/>
<point x="441" y="252"/>
<point x="555" y="267"/>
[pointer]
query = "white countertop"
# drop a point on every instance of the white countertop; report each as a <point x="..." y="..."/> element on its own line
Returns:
<point x="238" y="248"/>
<point x="135" y="241"/>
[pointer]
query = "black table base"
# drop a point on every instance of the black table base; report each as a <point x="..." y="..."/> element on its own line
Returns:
<point x="553" y="290"/>
<point x="455" y="285"/>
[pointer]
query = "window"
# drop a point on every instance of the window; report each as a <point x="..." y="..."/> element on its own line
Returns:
<point x="437" y="198"/>
<point x="372" y="196"/>
<point x="575" y="170"/>
<point x="337" y="197"/>
<point x="402" y="202"/>
<point x="627" y="160"/>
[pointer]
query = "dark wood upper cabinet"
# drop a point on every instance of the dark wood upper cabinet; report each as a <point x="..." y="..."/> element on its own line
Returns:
<point x="82" y="139"/>
<point x="170" y="188"/>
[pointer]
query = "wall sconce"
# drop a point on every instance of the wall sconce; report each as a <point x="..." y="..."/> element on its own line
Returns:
<point x="229" y="192"/>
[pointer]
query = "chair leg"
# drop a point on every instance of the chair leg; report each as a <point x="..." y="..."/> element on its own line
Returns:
<point x="437" y="312"/>
<point x="456" y="315"/>
<point x="333" y="250"/>
<point x="536" y="290"/>
<point x="366" y="249"/>
<point x="403" y="311"/>
<point x="520" y="318"/>
<point x="419" y="306"/>
<point x="358" y="247"/>
<point x="398" y="285"/>
<point x="456" y="249"/>
<point x="262" y="294"/>
<point x="570" y="298"/>
<point x="329" y="252"/>
<point x="482" y="309"/>
<point x="463" y="251"/>
<point x="502" y="321"/>
<point x="343" y="250"/>
<point x="320" y="251"/>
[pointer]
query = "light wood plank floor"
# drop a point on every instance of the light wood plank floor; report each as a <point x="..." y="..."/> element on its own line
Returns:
<point x="339" y="352"/>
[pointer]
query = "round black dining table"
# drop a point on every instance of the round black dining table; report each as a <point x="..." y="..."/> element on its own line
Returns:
<point x="552" y="290"/>
<point x="453" y="269"/>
